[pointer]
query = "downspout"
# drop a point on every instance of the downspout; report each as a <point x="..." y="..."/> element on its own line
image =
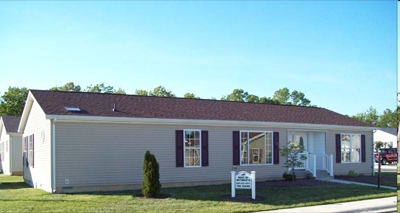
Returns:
<point x="53" y="155"/>
<point x="10" y="149"/>
<point x="373" y="158"/>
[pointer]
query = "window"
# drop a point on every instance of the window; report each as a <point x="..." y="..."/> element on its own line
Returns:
<point x="351" y="148"/>
<point x="256" y="147"/>
<point x="31" y="146"/>
<point x="192" y="147"/>
<point x="25" y="148"/>
<point x="29" y="150"/>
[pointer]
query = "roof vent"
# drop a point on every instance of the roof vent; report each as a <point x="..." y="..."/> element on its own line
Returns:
<point x="72" y="109"/>
<point x="115" y="108"/>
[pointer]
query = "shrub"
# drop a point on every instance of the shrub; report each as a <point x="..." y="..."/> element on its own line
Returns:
<point x="352" y="173"/>
<point x="288" y="176"/>
<point x="294" y="157"/>
<point x="309" y="176"/>
<point x="151" y="185"/>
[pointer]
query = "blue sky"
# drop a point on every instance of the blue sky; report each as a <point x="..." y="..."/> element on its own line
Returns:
<point x="341" y="54"/>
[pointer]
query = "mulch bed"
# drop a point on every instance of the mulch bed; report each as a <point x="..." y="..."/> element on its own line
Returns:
<point x="160" y="196"/>
<point x="297" y="183"/>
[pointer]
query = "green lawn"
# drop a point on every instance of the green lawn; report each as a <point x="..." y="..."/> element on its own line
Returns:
<point x="15" y="196"/>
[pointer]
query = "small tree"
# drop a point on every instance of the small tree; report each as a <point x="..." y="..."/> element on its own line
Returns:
<point x="151" y="185"/>
<point x="291" y="152"/>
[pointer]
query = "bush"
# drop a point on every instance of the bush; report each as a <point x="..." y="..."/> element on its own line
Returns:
<point x="151" y="185"/>
<point x="352" y="173"/>
<point x="288" y="176"/>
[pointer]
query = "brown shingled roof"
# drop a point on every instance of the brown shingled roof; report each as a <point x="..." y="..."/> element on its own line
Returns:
<point x="11" y="123"/>
<point x="101" y="104"/>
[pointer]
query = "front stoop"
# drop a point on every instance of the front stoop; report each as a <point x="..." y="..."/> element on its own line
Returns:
<point x="323" y="175"/>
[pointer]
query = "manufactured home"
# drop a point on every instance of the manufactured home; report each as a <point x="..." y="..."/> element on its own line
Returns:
<point x="77" y="141"/>
<point x="10" y="145"/>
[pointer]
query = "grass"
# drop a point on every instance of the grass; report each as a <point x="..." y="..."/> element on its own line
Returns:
<point x="15" y="196"/>
<point x="391" y="175"/>
<point x="398" y="192"/>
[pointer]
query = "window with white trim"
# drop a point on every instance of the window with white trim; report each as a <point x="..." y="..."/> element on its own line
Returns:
<point x="31" y="150"/>
<point x="256" y="147"/>
<point x="351" y="148"/>
<point x="192" y="148"/>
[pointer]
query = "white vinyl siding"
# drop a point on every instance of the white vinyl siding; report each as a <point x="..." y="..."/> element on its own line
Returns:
<point x="39" y="176"/>
<point x="122" y="148"/>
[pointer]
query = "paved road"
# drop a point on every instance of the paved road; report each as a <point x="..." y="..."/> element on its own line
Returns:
<point x="388" y="167"/>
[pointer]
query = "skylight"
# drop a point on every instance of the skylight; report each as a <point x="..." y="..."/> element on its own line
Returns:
<point x="72" y="109"/>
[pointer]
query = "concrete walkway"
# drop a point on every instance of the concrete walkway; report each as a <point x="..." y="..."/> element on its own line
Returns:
<point x="384" y="205"/>
<point x="388" y="204"/>
<point x="363" y="184"/>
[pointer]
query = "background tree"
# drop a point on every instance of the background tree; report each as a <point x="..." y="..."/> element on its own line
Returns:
<point x="241" y="96"/>
<point x="70" y="86"/>
<point x="151" y="185"/>
<point x="101" y="88"/>
<point x="389" y="118"/>
<point x="13" y="101"/>
<point x="299" y="99"/>
<point x="237" y="95"/>
<point x="189" y="95"/>
<point x="253" y="98"/>
<point x="142" y="92"/>
<point x="292" y="152"/>
<point x="160" y="91"/>
<point x="282" y="96"/>
<point x="265" y="100"/>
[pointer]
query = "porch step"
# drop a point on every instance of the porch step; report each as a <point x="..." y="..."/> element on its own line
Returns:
<point x="323" y="175"/>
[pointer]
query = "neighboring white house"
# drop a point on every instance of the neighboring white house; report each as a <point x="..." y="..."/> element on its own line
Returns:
<point x="77" y="141"/>
<point x="387" y="135"/>
<point x="10" y="145"/>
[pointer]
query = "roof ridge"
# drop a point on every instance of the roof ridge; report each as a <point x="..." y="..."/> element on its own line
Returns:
<point x="183" y="98"/>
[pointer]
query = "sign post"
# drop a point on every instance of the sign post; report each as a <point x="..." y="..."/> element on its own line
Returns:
<point x="243" y="180"/>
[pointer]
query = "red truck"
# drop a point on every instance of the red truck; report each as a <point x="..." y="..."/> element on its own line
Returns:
<point x="388" y="155"/>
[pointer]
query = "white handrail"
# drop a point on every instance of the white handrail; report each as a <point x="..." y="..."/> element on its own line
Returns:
<point x="312" y="164"/>
<point x="315" y="166"/>
<point x="328" y="163"/>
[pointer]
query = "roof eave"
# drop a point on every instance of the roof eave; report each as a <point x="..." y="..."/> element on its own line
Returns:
<point x="25" y="112"/>
<point x="101" y="119"/>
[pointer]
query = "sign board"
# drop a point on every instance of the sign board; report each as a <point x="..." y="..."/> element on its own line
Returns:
<point x="243" y="180"/>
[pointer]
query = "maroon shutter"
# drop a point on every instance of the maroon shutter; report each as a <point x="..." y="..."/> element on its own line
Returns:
<point x="276" y="147"/>
<point x="363" y="148"/>
<point x="33" y="151"/>
<point x="236" y="148"/>
<point x="204" y="148"/>
<point x="338" y="149"/>
<point x="179" y="147"/>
